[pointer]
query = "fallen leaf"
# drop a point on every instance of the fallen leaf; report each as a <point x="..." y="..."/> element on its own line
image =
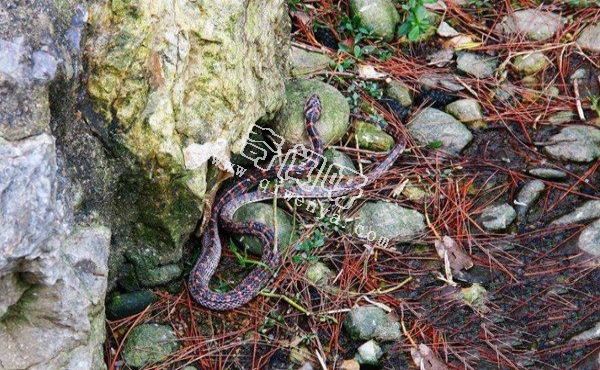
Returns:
<point x="368" y="72"/>
<point x="445" y="30"/>
<point x="457" y="257"/>
<point x="425" y="359"/>
<point x="462" y="42"/>
<point x="441" y="57"/>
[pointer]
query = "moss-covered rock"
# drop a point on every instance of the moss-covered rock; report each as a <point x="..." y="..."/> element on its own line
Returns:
<point x="263" y="213"/>
<point x="530" y="64"/>
<point x="334" y="117"/>
<point x="371" y="137"/>
<point x="148" y="344"/>
<point x="306" y="62"/>
<point x="380" y="16"/>
<point x="168" y="76"/>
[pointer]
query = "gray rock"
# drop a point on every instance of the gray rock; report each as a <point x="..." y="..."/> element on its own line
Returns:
<point x="380" y="16"/>
<point x="548" y="173"/>
<point x="498" y="217"/>
<point x="148" y="344"/>
<point x="589" y="240"/>
<point x="399" y="91"/>
<point x="381" y="221"/>
<point x="334" y="120"/>
<point x="534" y="24"/>
<point x="61" y="325"/>
<point x="589" y="39"/>
<point x="466" y="110"/>
<point x="529" y="193"/>
<point x="476" y="65"/>
<point x="371" y="137"/>
<point x="371" y="322"/>
<point x="588" y="211"/>
<point x="530" y="64"/>
<point x="432" y="126"/>
<point x="29" y="212"/>
<point x="575" y="143"/>
<point x="369" y="353"/>
<point x="306" y="62"/>
<point x="263" y="213"/>
<point x="127" y="304"/>
<point x="341" y="163"/>
<point x="319" y="274"/>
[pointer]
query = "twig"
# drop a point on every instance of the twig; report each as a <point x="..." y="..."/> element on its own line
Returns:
<point x="290" y="301"/>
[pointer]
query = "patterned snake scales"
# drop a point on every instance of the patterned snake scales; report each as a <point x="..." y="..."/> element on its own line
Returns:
<point x="236" y="196"/>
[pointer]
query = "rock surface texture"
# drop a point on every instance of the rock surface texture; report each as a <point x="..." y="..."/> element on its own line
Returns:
<point x="115" y="166"/>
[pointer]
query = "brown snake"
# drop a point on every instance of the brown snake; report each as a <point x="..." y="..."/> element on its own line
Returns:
<point x="236" y="196"/>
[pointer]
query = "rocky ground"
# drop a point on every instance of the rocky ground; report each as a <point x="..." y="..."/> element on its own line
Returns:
<point x="479" y="248"/>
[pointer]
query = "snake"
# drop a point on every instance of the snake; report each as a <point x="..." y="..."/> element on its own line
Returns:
<point x="241" y="193"/>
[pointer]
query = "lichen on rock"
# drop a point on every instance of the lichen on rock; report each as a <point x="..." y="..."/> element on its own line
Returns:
<point x="175" y="84"/>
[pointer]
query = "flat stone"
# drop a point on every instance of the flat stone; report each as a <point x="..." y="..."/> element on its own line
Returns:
<point x="529" y="193"/>
<point x="530" y="64"/>
<point x="589" y="240"/>
<point x="432" y="126"/>
<point x="306" y="62"/>
<point x="587" y="211"/>
<point x="382" y="220"/>
<point x="380" y="16"/>
<point x="534" y="24"/>
<point x="148" y="344"/>
<point x="369" y="353"/>
<point x="499" y="217"/>
<point x="335" y="115"/>
<point x="371" y="322"/>
<point x="575" y="143"/>
<point x="466" y="110"/>
<point x="476" y="65"/>
<point x="399" y="91"/>
<point x="589" y="39"/>
<point x="372" y="137"/>
<point x="548" y="173"/>
<point x="264" y="213"/>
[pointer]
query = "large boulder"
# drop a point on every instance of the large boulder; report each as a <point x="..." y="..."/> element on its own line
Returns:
<point x="172" y="86"/>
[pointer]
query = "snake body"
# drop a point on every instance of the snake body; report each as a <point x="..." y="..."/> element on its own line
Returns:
<point x="237" y="195"/>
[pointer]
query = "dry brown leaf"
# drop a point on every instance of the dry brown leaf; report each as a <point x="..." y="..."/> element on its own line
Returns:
<point x="457" y="257"/>
<point x="425" y="359"/>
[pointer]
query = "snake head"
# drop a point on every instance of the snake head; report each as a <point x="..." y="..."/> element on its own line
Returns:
<point x="312" y="108"/>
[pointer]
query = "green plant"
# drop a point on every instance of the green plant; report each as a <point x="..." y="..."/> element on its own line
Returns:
<point x="353" y="26"/>
<point x="307" y="247"/>
<point x="242" y="258"/>
<point x="436" y="144"/>
<point x="418" y="20"/>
